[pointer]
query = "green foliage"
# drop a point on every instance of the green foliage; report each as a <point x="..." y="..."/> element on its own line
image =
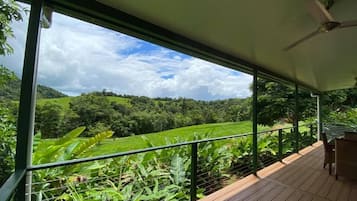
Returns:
<point x="10" y="11"/>
<point x="92" y="108"/>
<point x="155" y="175"/>
<point x="242" y="151"/>
<point x="7" y="144"/>
<point x="6" y="75"/>
<point x="277" y="102"/>
<point x="49" y="119"/>
<point x="338" y="101"/>
<point x="63" y="101"/>
<point x="10" y="86"/>
<point x="133" y="115"/>
<point x="184" y="134"/>
<point x="65" y="148"/>
<point x="48" y="92"/>
<point x="59" y="150"/>
<point x="70" y="136"/>
<point x="177" y="170"/>
<point x="214" y="160"/>
<point x="348" y="117"/>
<point x="91" y="142"/>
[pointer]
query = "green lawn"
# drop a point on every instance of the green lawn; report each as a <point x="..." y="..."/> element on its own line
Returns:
<point x="174" y="135"/>
<point x="183" y="134"/>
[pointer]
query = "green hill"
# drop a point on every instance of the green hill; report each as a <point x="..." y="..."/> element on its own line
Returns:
<point x="48" y="92"/>
<point x="132" y="115"/>
<point x="64" y="101"/>
<point x="11" y="90"/>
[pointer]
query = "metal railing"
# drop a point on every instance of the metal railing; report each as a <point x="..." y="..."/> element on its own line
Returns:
<point x="185" y="171"/>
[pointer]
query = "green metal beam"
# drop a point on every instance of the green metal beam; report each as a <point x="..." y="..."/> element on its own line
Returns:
<point x="27" y="97"/>
<point x="255" y="121"/>
<point x="7" y="189"/>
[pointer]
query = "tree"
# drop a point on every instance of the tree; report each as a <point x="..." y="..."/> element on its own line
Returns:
<point x="91" y="109"/>
<point x="6" y="75"/>
<point x="277" y="101"/>
<point x="7" y="143"/>
<point x="49" y="119"/>
<point x="10" y="11"/>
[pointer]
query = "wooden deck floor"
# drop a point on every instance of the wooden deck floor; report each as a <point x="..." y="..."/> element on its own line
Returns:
<point x="299" y="177"/>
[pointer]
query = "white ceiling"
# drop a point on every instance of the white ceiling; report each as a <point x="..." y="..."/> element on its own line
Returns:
<point x="257" y="31"/>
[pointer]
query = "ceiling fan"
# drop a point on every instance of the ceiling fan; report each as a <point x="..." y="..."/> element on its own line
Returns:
<point x="326" y="21"/>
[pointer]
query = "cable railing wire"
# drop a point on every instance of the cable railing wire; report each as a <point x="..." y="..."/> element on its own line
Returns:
<point x="208" y="181"/>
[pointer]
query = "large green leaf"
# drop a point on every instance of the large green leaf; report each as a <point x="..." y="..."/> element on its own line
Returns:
<point x="91" y="142"/>
<point x="177" y="170"/>
<point x="70" y="135"/>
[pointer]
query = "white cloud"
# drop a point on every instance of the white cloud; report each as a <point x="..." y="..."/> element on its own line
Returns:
<point x="77" y="57"/>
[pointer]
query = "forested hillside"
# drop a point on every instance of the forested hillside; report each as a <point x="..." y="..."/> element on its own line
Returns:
<point x="128" y="115"/>
<point x="132" y="115"/>
<point x="11" y="88"/>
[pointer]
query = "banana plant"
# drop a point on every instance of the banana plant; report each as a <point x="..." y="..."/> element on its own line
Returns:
<point x="66" y="148"/>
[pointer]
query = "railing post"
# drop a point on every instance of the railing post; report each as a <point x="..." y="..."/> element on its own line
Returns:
<point x="297" y="139"/>
<point x="280" y="144"/>
<point x="311" y="134"/>
<point x="193" y="191"/>
<point x="25" y="125"/>
<point x="296" y="118"/>
<point x="319" y="127"/>
<point x="255" y="121"/>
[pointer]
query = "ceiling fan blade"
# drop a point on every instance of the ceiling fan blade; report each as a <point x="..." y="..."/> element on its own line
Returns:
<point x="319" y="12"/>
<point x="307" y="37"/>
<point x="347" y="24"/>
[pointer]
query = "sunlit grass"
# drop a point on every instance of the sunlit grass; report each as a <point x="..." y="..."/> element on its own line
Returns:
<point x="174" y="135"/>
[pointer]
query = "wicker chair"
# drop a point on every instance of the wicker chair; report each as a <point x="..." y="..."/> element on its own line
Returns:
<point x="329" y="152"/>
<point x="346" y="158"/>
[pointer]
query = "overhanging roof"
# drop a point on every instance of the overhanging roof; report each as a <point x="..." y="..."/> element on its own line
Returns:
<point x="239" y="34"/>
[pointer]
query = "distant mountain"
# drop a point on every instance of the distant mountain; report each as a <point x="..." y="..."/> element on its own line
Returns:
<point x="11" y="90"/>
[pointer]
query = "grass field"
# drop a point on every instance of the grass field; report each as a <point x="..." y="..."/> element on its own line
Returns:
<point x="184" y="134"/>
<point x="64" y="102"/>
<point x="174" y="135"/>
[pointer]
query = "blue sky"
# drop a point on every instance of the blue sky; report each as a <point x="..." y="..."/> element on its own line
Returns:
<point x="78" y="57"/>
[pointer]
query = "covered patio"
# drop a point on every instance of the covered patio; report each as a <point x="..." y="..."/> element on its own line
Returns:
<point x="280" y="40"/>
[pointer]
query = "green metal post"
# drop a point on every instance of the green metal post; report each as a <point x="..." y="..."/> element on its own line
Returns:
<point x="319" y="120"/>
<point x="311" y="134"/>
<point x="27" y="97"/>
<point x="296" y="119"/>
<point x="255" y="120"/>
<point x="193" y="191"/>
<point x="280" y="144"/>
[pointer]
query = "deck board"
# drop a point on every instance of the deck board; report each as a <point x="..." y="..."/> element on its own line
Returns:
<point x="298" y="177"/>
<point x="284" y="195"/>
